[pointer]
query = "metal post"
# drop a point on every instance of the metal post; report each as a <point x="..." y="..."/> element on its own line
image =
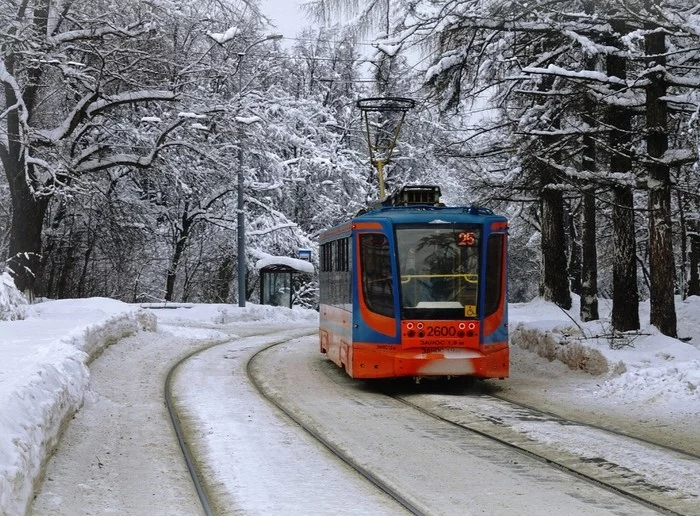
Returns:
<point x="241" y="214"/>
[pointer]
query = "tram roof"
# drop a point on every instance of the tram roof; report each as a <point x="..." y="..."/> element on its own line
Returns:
<point x="431" y="214"/>
<point x="417" y="214"/>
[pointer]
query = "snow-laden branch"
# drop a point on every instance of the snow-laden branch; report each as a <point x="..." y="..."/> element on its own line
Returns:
<point x="131" y="160"/>
<point x="677" y="157"/>
<point x="68" y="125"/>
<point x="223" y="37"/>
<point x="691" y="100"/>
<point x="274" y="212"/>
<point x="584" y="75"/>
<point x="588" y="45"/>
<point x="248" y="120"/>
<point x="260" y="232"/>
<point x="676" y="80"/>
<point x="115" y="160"/>
<point x="130" y="97"/>
<point x="90" y="106"/>
<point x="86" y="34"/>
<point x="7" y="78"/>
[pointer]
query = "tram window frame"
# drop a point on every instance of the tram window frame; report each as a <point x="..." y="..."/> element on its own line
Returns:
<point x="495" y="256"/>
<point x="335" y="273"/>
<point x="325" y="257"/>
<point x="378" y="265"/>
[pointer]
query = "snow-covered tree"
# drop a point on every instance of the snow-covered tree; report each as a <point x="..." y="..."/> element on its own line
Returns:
<point x="563" y="78"/>
<point x="70" y="74"/>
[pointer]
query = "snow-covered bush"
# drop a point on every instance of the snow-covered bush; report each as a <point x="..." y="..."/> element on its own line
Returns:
<point x="583" y="358"/>
<point x="12" y="302"/>
<point x="575" y="355"/>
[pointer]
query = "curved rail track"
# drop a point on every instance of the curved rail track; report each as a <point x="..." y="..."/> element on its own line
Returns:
<point x="598" y="472"/>
<point x="329" y="445"/>
<point x="192" y="467"/>
<point x="190" y="460"/>
<point x="629" y="486"/>
<point x="616" y="479"/>
<point x="574" y="421"/>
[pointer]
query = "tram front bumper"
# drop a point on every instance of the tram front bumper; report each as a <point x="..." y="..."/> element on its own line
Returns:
<point x="389" y="361"/>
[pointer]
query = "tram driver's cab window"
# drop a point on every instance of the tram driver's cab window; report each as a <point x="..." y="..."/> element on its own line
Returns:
<point x="439" y="270"/>
<point x="377" y="283"/>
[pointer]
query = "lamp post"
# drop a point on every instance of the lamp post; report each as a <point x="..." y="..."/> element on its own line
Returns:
<point x="241" y="215"/>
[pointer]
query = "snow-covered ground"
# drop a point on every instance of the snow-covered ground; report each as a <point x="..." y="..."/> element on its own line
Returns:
<point x="45" y="367"/>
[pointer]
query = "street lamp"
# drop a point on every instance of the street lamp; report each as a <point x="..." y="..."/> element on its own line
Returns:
<point x="241" y="216"/>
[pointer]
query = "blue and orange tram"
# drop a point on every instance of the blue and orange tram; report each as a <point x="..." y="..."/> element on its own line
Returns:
<point x="414" y="288"/>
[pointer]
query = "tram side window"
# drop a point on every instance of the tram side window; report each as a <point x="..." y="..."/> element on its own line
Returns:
<point x="341" y="275"/>
<point x="334" y="274"/>
<point x="494" y="272"/>
<point x="327" y="257"/>
<point x="377" y="282"/>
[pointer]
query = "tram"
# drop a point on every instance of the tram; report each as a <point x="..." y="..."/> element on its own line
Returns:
<point x="413" y="288"/>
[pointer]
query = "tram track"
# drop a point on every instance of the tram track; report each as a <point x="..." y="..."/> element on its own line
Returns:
<point x="633" y="488"/>
<point x="485" y="424"/>
<point x="575" y="421"/>
<point x="599" y="473"/>
<point x="335" y="450"/>
<point x="191" y="461"/>
<point x="192" y="467"/>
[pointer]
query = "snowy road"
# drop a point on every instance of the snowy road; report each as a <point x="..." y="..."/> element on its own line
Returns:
<point x="119" y="454"/>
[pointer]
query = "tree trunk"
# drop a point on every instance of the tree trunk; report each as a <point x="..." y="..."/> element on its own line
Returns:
<point x="589" y="250"/>
<point x="575" y="253"/>
<point x="555" y="277"/>
<point x="589" y="260"/>
<point x="171" y="275"/>
<point x="181" y="236"/>
<point x="25" y="231"/>
<point x="661" y="259"/>
<point x="625" y="312"/>
<point x="625" y="309"/>
<point x="694" y="263"/>
<point x="28" y="212"/>
<point x="225" y="277"/>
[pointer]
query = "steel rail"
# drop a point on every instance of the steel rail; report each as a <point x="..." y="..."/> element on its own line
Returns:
<point x="194" y="472"/>
<point x="182" y="441"/>
<point x="337" y="452"/>
<point x="619" y="433"/>
<point x="542" y="458"/>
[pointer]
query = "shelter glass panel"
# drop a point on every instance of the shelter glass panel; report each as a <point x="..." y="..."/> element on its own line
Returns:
<point x="277" y="289"/>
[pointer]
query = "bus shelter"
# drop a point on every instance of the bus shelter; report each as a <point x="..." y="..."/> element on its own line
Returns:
<point x="276" y="278"/>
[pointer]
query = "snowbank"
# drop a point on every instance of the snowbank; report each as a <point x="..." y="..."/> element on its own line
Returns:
<point x="638" y="367"/>
<point x="43" y="378"/>
<point x="12" y="302"/>
<point x="44" y="374"/>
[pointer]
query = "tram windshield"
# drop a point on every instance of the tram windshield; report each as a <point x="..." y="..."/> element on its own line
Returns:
<point x="439" y="270"/>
